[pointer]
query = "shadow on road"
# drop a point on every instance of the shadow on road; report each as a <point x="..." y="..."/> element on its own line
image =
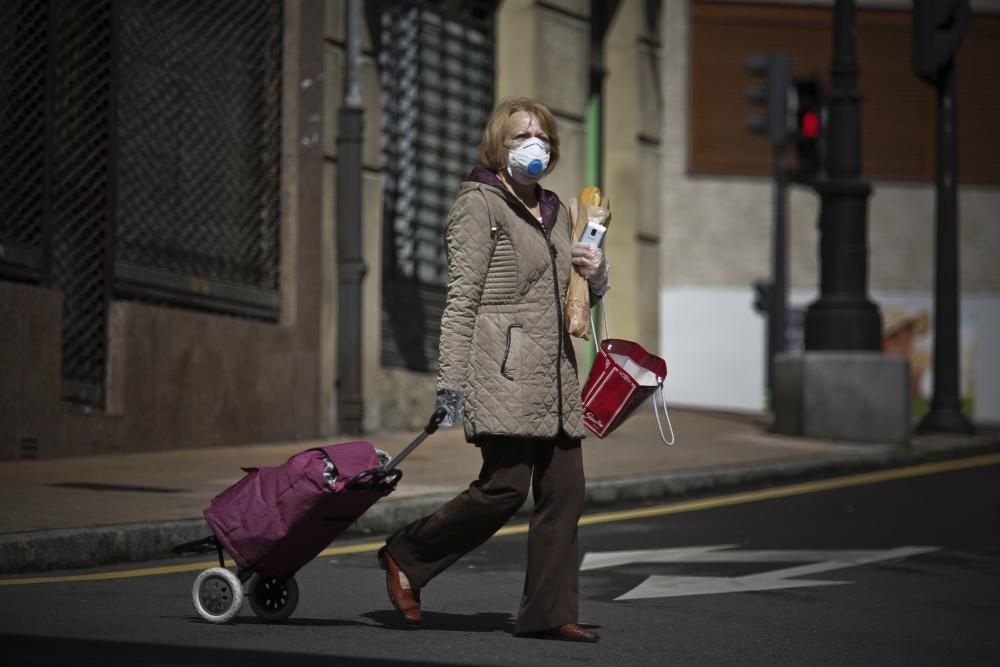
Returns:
<point x="30" y="651"/>
<point x="250" y="619"/>
<point x="484" y="621"/>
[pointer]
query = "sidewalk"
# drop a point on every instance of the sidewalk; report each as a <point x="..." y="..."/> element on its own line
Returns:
<point x="83" y="512"/>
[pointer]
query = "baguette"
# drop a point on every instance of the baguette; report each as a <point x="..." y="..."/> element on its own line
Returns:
<point x="586" y="206"/>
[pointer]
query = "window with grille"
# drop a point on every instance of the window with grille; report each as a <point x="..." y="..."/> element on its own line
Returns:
<point x="436" y="68"/>
<point x="23" y="44"/>
<point x="139" y="158"/>
<point x="199" y="116"/>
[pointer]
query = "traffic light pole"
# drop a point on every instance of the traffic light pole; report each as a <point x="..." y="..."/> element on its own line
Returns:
<point x="776" y="70"/>
<point x="778" y="295"/>
<point x="938" y="29"/>
<point x="843" y="318"/>
<point x="946" y="411"/>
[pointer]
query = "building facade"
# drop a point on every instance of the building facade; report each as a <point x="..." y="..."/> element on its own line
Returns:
<point x="169" y="271"/>
<point x="168" y="264"/>
<point x="717" y="195"/>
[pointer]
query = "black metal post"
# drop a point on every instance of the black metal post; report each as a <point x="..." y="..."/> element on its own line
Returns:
<point x="843" y="318"/>
<point x="946" y="411"/>
<point x="350" y="252"/>
<point x="778" y="301"/>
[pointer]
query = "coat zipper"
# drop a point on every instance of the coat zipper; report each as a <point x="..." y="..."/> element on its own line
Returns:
<point x="559" y="310"/>
<point x="559" y="316"/>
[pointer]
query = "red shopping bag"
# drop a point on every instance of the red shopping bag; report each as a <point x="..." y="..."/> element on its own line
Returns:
<point x="623" y="376"/>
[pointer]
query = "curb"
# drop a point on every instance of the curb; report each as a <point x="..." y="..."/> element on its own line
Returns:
<point x="87" y="547"/>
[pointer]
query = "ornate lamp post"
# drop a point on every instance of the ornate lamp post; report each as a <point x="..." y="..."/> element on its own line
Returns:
<point x="843" y="318"/>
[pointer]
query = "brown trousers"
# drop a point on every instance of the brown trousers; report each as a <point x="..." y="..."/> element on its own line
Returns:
<point x="553" y="469"/>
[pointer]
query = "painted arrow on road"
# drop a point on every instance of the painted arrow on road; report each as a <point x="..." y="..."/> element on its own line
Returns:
<point x="674" y="586"/>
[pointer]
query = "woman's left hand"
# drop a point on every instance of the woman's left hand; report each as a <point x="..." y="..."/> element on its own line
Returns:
<point x="589" y="261"/>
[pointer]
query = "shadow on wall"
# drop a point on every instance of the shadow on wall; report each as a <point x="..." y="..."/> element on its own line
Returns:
<point x="405" y="312"/>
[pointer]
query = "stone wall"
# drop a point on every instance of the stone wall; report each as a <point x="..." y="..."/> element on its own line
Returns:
<point x="179" y="378"/>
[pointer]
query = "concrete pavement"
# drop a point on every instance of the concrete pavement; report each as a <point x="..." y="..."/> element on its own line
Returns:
<point x="90" y="511"/>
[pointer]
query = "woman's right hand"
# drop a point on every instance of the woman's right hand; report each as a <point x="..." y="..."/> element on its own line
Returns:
<point x="451" y="402"/>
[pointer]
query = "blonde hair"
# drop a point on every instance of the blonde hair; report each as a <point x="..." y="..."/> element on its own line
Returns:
<point x="495" y="145"/>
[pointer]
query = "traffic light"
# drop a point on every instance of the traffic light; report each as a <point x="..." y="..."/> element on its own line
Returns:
<point x="808" y="109"/>
<point x="772" y="94"/>
<point x="761" y="296"/>
<point x="938" y="27"/>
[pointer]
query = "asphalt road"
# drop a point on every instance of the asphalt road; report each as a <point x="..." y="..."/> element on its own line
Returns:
<point x="901" y="571"/>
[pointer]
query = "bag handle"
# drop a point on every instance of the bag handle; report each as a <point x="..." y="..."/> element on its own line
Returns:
<point x="659" y="390"/>
<point x="593" y="330"/>
<point x="666" y="414"/>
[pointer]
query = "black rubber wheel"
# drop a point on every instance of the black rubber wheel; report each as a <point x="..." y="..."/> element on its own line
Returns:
<point x="273" y="598"/>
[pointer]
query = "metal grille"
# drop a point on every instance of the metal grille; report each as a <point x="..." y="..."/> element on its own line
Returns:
<point x="23" y="36"/>
<point x="139" y="158"/>
<point x="80" y="189"/>
<point x="199" y="154"/>
<point x="436" y="67"/>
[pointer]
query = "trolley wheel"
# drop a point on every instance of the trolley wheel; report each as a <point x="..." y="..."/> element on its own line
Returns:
<point x="273" y="598"/>
<point x="217" y="595"/>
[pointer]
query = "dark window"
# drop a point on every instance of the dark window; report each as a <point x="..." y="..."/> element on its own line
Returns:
<point x="139" y="158"/>
<point x="199" y="132"/>
<point x="23" y="44"/>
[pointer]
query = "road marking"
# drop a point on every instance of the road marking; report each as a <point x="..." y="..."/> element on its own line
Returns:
<point x="717" y="553"/>
<point x="860" y="479"/>
<point x="590" y="519"/>
<point x="658" y="586"/>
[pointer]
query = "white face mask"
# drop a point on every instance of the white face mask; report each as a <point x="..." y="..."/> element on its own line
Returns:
<point x="528" y="161"/>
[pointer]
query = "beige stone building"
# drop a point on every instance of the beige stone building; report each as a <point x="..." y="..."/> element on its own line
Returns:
<point x="542" y="50"/>
<point x="168" y="232"/>
<point x="168" y="267"/>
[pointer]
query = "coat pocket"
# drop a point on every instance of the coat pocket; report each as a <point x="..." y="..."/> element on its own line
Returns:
<point x="511" y="365"/>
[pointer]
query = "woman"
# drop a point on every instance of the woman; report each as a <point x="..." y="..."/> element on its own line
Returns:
<point x="507" y="369"/>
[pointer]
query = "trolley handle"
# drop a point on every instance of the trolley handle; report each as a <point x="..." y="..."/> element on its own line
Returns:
<point x="388" y="474"/>
<point x="369" y="479"/>
<point x="435" y="421"/>
<point x="431" y="427"/>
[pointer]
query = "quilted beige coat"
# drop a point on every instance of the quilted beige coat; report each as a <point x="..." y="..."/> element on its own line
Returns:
<point x="503" y="341"/>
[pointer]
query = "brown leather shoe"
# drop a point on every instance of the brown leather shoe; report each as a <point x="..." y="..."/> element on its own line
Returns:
<point x="571" y="632"/>
<point x="405" y="599"/>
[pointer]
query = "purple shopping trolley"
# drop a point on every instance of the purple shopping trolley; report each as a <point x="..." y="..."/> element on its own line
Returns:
<point x="277" y="519"/>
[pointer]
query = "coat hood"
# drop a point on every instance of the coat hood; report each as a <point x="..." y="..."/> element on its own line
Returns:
<point x="548" y="200"/>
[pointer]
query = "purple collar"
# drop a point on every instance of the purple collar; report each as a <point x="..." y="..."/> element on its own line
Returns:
<point x="548" y="201"/>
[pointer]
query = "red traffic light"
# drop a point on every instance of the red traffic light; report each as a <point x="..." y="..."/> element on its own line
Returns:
<point x="810" y="125"/>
